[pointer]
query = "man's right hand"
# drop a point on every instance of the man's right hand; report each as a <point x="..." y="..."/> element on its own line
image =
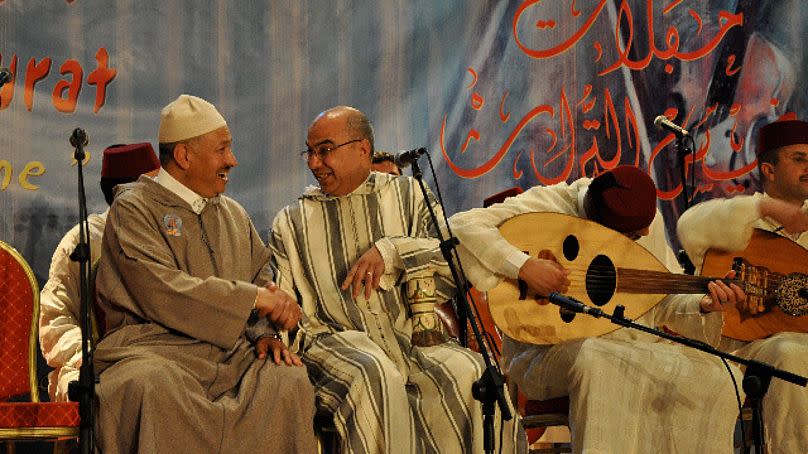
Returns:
<point x="790" y="216"/>
<point x="276" y="304"/>
<point x="544" y="276"/>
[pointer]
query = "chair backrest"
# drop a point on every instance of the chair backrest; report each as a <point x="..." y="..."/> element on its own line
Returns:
<point x="19" y="311"/>
<point x="500" y="197"/>
<point x="479" y="300"/>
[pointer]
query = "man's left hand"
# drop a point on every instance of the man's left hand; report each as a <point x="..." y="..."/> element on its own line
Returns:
<point x="722" y="295"/>
<point x="368" y="270"/>
<point x="276" y="347"/>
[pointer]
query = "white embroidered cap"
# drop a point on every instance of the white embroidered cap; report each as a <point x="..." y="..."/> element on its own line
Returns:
<point x="187" y="117"/>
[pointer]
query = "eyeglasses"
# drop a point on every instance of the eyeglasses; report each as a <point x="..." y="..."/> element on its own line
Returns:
<point x="323" y="151"/>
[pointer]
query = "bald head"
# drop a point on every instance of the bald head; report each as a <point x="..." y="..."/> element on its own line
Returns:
<point x="350" y="120"/>
<point x="340" y="147"/>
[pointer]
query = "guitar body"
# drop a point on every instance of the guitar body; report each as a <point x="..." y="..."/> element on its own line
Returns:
<point x="766" y="252"/>
<point x="592" y="253"/>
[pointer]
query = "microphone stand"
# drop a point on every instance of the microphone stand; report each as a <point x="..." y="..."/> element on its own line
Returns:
<point x="84" y="390"/>
<point x="682" y="151"/>
<point x="756" y="378"/>
<point x="490" y="388"/>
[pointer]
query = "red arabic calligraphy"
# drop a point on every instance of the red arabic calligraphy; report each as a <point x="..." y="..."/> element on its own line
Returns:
<point x="726" y="22"/>
<point x="607" y="130"/>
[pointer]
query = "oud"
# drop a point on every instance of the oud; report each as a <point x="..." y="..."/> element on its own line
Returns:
<point x="609" y="269"/>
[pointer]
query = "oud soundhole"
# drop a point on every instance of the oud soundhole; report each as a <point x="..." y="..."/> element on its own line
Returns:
<point x="792" y="294"/>
<point x="601" y="280"/>
<point x="571" y="248"/>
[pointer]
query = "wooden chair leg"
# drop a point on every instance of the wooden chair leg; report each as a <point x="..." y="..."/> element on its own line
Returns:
<point x="65" y="446"/>
<point x="327" y="436"/>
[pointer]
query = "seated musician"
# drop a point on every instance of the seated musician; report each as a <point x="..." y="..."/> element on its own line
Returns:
<point x="629" y="392"/>
<point x="727" y="224"/>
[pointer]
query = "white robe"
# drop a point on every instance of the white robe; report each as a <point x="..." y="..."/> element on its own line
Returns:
<point x="629" y="392"/>
<point x="727" y="224"/>
<point x="59" y="309"/>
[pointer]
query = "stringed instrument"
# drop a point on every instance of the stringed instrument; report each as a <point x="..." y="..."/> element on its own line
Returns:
<point x="777" y="268"/>
<point x="606" y="269"/>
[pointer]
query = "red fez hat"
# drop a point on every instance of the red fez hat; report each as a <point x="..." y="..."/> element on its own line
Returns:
<point x="623" y="199"/>
<point x="501" y="196"/>
<point x="780" y="134"/>
<point x="128" y="161"/>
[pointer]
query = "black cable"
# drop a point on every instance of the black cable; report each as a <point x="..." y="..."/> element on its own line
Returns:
<point x="467" y="294"/>
<point x="466" y="286"/>
<point x="682" y="168"/>
<point x="693" y="172"/>
<point x="740" y="404"/>
<point x="501" y="431"/>
<point x="466" y="290"/>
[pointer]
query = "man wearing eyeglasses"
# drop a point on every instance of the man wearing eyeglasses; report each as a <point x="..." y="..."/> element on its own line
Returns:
<point x="727" y="224"/>
<point x="344" y="247"/>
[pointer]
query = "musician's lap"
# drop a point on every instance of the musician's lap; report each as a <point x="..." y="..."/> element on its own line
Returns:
<point x="597" y="361"/>
<point x="780" y="349"/>
<point x="785" y="406"/>
<point x="649" y="392"/>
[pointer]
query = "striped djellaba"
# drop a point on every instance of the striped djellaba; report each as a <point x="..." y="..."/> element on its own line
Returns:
<point x="384" y="394"/>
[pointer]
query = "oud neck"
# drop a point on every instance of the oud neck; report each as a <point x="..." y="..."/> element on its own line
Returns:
<point x="656" y="282"/>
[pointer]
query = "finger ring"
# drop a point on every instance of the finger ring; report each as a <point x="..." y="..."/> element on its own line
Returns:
<point x="369" y="273"/>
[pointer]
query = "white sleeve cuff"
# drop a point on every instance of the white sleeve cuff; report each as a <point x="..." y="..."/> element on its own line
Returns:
<point x="513" y="263"/>
<point x="389" y="254"/>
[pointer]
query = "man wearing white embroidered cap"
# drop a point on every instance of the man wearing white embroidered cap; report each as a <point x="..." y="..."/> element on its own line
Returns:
<point x="191" y="360"/>
<point x="190" y="126"/>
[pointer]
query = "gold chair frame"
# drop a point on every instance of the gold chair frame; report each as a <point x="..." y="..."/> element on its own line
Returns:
<point x="54" y="433"/>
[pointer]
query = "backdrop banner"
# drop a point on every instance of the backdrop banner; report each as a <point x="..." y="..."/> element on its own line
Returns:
<point x="501" y="93"/>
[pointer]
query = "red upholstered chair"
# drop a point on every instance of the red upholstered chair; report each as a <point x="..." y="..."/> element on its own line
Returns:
<point x="537" y="415"/>
<point x="19" y="314"/>
<point x="501" y="196"/>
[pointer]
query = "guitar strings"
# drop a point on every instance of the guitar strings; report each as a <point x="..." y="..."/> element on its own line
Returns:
<point x="604" y="278"/>
<point x="661" y="276"/>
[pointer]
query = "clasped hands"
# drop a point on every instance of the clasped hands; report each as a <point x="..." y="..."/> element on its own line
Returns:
<point x="285" y="313"/>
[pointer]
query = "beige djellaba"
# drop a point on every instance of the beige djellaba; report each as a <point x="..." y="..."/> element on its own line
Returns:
<point x="177" y="373"/>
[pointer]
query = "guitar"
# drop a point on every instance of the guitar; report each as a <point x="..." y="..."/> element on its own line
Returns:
<point x="606" y="269"/>
<point x="778" y="269"/>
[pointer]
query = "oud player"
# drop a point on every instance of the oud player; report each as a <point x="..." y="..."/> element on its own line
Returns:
<point x="629" y="392"/>
<point x="728" y="224"/>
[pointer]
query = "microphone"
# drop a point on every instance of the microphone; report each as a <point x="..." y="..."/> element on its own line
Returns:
<point x="662" y="122"/>
<point x="405" y="158"/>
<point x="5" y="76"/>
<point x="79" y="138"/>
<point x="571" y="304"/>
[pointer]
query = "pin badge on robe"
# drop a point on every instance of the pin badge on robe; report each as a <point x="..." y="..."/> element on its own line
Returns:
<point x="172" y="224"/>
